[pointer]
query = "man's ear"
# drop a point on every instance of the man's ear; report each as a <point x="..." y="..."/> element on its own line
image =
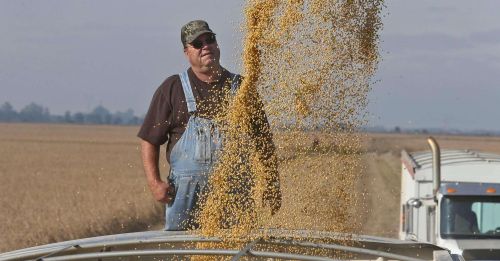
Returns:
<point x="185" y="51"/>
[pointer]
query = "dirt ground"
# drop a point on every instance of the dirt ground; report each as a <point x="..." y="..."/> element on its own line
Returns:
<point x="382" y="187"/>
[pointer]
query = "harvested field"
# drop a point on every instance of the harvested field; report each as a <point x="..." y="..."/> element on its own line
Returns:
<point x="62" y="182"/>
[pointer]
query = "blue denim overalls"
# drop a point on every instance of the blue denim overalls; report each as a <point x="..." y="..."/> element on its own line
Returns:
<point x="191" y="160"/>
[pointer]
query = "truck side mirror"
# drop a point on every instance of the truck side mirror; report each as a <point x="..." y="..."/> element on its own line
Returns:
<point x="416" y="203"/>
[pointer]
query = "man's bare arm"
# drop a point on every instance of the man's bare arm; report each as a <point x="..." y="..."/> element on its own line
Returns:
<point x="162" y="191"/>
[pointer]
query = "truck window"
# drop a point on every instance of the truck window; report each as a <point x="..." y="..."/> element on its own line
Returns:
<point x="488" y="215"/>
<point x="470" y="217"/>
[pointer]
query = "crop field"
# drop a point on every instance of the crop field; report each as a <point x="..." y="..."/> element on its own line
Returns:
<point x="61" y="182"/>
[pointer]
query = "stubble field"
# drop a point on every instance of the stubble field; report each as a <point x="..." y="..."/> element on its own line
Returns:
<point x="61" y="182"/>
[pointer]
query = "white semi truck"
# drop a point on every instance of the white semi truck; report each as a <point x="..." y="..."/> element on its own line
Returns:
<point x="452" y="199"/>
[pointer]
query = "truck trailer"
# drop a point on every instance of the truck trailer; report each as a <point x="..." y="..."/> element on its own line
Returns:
<point x="451" y="198"/>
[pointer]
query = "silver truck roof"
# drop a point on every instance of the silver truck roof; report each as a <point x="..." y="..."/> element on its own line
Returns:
<point x="423" y="159"/>
<point x="456" y="166"/>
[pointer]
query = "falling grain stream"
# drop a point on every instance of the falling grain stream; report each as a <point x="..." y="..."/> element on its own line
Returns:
<point x="310" y="64"/>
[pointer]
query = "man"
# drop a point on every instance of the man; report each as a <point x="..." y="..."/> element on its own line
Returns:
<point x="465" y="220"/>
<point x="182" y="114"/>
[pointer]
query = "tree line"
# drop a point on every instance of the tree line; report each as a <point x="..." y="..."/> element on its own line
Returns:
<point x="38" y="114"/>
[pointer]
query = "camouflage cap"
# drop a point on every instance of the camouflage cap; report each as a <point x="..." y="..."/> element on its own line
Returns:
<point x="193" y="29"/>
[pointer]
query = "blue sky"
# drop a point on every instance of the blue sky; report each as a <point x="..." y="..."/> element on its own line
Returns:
<point x="440" y="62"/>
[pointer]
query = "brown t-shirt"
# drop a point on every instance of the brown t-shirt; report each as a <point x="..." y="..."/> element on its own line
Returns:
<point x="168" y="115"/>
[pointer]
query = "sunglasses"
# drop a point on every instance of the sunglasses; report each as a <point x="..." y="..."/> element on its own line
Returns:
<point x="198" y="44"/>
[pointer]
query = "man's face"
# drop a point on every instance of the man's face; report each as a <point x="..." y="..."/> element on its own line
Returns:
<point x="203" y="53"/>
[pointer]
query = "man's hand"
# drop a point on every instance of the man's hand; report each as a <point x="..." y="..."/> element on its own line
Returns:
<point x="163" y="192"/>
<point x="272" y="197"/>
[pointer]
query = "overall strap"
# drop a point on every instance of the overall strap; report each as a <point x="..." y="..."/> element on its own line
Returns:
<point x="235" y="83"/>
<point x="188" y="92"/>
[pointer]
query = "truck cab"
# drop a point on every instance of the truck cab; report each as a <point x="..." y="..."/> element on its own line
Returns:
<point x="452" y="199"/>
